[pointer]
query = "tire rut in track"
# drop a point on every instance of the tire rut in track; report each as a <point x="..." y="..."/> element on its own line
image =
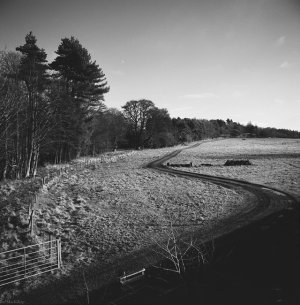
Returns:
<point x="268" y="199"/>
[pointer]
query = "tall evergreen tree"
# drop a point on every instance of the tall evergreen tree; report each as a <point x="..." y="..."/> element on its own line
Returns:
<point x="33" y="71"/>
<point x="83" y="85"/>
<point x="33" y="66"/>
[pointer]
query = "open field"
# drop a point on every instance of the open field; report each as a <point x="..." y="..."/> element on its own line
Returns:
<point x="109" y="209"/>
<point x="113" y="207"/>
<point x="275" y="162"/>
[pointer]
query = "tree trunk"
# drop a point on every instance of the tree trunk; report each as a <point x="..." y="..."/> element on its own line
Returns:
<point x="18" y="159"/>
<point x="29" y="160"/>
<point x="6" y="150"/>
<point x="35" y="161"/>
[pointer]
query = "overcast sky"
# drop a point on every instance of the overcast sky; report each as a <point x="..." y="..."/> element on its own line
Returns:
<point x="237" y="59"/>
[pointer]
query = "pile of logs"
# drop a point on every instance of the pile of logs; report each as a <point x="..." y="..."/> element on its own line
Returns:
<point x="237" y="162"/>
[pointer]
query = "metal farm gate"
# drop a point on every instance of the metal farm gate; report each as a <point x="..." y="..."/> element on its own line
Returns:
<point x="22" y="263"/>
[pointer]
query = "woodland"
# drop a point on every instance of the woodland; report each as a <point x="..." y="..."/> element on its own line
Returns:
<point x="55" y="112"/>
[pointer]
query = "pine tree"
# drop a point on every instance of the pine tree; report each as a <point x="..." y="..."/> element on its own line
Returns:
<point x="33" y="71"/>
<point x="84" y="83"/>
<point x="33" y="67"/>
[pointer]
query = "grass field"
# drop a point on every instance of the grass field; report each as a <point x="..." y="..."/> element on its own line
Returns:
<point x="109" y="210"/>
<point x="275" y="162"/>
<point x="105" y="210"/>
<point x="114" y="206"/>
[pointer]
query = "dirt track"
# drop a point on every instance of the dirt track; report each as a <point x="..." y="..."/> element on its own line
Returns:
<point x="269" y="200"/>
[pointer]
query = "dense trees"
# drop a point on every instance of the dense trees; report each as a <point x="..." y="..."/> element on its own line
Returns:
<point x="25" y="107"/>
<point x="109" y="131"/>
<point x="159" y="129"/>
<point x="47" y="112"/>
<point x="12" y="97"/>
<point x="81" y="85"/>
<point x="137" y="114"/>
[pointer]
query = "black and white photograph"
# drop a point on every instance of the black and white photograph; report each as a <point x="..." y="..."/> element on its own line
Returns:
<point x="150" y="152"/>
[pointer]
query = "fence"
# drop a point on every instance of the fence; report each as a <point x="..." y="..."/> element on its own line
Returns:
<point x="22" y="263"/>
<point x="132" y="277"/>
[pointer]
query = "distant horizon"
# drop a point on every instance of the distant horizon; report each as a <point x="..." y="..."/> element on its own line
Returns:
<point x="207" y="59"/>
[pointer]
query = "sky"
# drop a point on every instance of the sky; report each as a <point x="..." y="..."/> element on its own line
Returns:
<point x="205" y="59"/>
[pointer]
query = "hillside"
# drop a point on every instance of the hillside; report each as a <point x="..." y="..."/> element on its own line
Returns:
<point x="110" y="208"/>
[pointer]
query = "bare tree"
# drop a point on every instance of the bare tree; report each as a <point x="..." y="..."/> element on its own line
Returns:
<point x="12" y="97"/>
<point x="182" y="251"/>
<point x="137" y="113"/>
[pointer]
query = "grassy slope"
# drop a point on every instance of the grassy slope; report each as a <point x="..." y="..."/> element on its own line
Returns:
<point x="106" y="211"/>
<point x="109" y="210"/>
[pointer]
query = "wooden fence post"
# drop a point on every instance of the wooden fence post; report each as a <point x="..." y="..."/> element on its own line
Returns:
<point x="50" y="249"/>
<point x="31" y="223"/>
<point x="24" y="262"/>
<point x="58" y="247"/>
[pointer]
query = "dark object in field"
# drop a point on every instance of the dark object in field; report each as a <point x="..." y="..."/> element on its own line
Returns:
<point x="180" y="165"/>
<point x="237" y="162"/>
<point x="206" y="164"/>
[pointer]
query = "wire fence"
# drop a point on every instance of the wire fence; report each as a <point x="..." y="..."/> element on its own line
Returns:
<point x="22" y="263"/>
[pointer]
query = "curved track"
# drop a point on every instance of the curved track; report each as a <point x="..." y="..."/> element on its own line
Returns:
<point x="267" y="199"/>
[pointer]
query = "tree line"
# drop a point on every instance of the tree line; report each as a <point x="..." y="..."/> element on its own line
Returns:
<point x="142" y="125"/>
<point x="54" y="112"/>
<point x="46" y="109"/>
